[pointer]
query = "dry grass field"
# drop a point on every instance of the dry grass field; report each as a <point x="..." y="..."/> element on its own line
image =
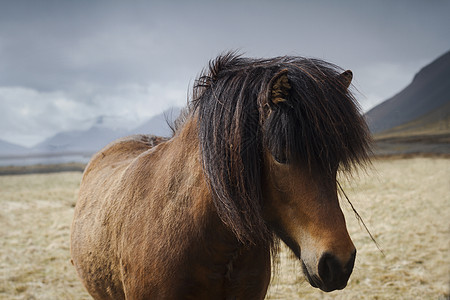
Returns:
<point x="404" y="202"/>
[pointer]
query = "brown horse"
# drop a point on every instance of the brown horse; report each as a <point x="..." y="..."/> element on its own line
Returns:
<point x="198" y="216"/>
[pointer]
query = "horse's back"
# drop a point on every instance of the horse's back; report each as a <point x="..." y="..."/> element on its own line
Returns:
<point x="120" y="152"/>
<point x="94" y="233"/>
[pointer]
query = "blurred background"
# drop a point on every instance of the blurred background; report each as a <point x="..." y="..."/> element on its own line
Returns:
<point x="75" y="75"/>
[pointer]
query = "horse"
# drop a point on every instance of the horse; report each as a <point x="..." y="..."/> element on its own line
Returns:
<point x="252" y="160"/>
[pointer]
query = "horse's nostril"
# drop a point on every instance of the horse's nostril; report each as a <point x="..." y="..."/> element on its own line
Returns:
<point x="350" y="264"/>
<point x="332" y="273"/>
<point x="328" y="266"/>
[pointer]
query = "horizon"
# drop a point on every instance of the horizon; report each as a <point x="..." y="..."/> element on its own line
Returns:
<point x="111" y="124"/>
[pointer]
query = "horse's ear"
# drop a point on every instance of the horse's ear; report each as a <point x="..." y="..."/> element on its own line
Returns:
<point x="279" y="87"/>
<point x="346" y="78"/>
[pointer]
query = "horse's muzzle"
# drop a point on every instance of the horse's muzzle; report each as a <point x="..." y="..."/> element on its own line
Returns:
<point x="332" y="274"/>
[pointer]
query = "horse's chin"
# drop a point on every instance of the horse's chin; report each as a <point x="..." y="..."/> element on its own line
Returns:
<point x="315" y="281"/>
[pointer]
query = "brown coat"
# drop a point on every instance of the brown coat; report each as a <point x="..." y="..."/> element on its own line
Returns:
<point x="138" y="234"/>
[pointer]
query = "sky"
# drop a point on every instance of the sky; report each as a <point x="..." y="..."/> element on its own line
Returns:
<point x="63" y="64"/>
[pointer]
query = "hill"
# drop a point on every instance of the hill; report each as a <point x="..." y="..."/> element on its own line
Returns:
<point x="99" y="135"/>
<point x="420" y="102"/>
<point x="157" y="125"/>
<point x="79" y="141"/>
<point x="79" y="145"/>
<point x="7" y="148"/>
<point x="417" y="119"/>
<point x="434" y="123"/>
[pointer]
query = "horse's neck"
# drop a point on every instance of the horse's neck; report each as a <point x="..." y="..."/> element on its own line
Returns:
<point x="210" y="252"/>
<point x="194" y="184"/>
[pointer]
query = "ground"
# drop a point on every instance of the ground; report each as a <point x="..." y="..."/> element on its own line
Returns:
<point x="404" y="202"/>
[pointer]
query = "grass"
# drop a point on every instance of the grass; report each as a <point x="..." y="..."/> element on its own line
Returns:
<point x="404" y="202"/>
<point x="35" y="217"/>
<point x="42" y="169"/>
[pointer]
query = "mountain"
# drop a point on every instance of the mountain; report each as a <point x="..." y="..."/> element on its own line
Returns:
<point x="101" y="134"/>
<point x="421" y="102"/>
<point x="7" y="148"/>
<point x="78" y="141"/>
<point x="158" y="125"/>
<point x="436" y="122"/>
<point x="79" y="145"/>
<point x="416" y="120"/>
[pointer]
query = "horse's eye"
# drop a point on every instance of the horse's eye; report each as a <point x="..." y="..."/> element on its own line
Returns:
<point x="281" y="159"/>
<point x="279" y="154"/>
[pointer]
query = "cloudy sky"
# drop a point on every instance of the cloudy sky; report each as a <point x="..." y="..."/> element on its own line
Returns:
<point x="64" y="63"/>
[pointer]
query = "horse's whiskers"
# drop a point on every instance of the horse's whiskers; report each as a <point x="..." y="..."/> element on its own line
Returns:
<point x="360" y="219"/>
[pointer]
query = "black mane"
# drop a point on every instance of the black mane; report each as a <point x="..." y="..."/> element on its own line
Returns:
<point x="319" y="127"/>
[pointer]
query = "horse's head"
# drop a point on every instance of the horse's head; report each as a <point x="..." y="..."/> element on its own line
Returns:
<point x="273" y="135"/>
<point x="302" y="208"/>
<point x="299" y="182"/>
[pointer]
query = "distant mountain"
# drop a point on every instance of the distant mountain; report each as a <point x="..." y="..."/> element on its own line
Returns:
<point x="99" y="135"/>
<point x="159" y="124"/>
<point x="78" y="141"/>
<point x="79" y="145"/>
<point x="7" y="148"/>
<point x="436" y="122"/>
<point x="421" y="102"/>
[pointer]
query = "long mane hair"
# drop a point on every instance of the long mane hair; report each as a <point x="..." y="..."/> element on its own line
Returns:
<point x="319" y="127"/>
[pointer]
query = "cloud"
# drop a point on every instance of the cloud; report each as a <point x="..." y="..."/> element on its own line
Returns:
<point x="27" y="116"/>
